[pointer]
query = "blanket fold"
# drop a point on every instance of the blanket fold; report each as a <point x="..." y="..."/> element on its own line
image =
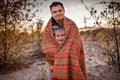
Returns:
<point x="68" y="58"/>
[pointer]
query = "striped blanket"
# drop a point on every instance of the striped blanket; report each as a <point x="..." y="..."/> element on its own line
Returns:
<point x="68" y="58"/>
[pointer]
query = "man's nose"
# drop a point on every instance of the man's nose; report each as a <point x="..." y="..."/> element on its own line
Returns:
<point x="57" y="13"/>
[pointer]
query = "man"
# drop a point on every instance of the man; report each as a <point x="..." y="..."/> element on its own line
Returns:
<point x="67" y="60"/>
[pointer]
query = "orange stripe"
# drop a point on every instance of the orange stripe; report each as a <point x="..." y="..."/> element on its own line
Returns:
<point x="65" y="55"/>
<point x="75" y="68"/>
<point x="49" y="41"/>
<point x="49" y="50"/>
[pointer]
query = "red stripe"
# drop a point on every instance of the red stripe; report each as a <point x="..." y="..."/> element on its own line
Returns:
<point x="56" y="77"/>
<point x="60" y="67"/>
<point x="45" y="32"/>
<point x="67" y="44"/>
<point x="82" y="56"/>
<point x="49" y="41"/>
<point x="79" y="38"/>
<point x="63" y="77"/>
<point x="75" y="68"/>
<point x="70" y="35"/>
<point x="63" y="55"/>
<point x="47" y="50"/>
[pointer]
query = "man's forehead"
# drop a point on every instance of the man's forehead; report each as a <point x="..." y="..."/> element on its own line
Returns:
<point x="56" y="7"/>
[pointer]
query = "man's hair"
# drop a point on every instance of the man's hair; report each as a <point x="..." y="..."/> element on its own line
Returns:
<point x="56" y="4"/>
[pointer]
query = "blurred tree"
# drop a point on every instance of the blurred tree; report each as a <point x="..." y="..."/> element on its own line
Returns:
<point x="38" y="38"/>
<point x="110" y="16"/>
<point x="14" y="14"/>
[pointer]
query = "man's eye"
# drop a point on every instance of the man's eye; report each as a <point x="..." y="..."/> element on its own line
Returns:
<point x="54" y="12"/>
<point x="60" y="10"/>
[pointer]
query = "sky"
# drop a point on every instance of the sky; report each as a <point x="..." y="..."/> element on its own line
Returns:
<point x="74" y="10"/>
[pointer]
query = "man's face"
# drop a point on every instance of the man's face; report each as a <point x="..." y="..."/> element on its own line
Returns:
<point x="60" y="36"/>
<point x="57" y="12"/>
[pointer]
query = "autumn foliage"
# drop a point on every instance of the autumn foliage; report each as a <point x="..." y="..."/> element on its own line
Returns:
<point x="14" y="15"/>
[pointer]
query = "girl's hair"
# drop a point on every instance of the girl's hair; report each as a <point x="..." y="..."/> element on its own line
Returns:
<point x="62" y="29"/>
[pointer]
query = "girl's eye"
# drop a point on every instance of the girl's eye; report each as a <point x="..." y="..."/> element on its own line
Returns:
<point x="57" y="35"/>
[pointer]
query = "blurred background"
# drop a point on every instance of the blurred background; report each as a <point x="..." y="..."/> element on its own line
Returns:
<point x="23" y="21"/>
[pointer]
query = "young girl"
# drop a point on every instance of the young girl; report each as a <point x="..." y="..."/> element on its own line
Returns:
<point x="59" y="35"/>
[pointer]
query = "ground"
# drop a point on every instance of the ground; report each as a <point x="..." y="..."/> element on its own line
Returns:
<point x="96" y="65"/>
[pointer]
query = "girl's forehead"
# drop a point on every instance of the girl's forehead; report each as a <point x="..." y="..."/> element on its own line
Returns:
<point x="59" y="31"/>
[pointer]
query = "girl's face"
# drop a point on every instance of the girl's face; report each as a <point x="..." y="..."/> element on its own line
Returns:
<point x="60" y="36"/>
<point x="57" y="12"/>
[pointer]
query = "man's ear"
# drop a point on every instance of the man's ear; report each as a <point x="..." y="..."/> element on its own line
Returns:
<point x="64" y="11"/>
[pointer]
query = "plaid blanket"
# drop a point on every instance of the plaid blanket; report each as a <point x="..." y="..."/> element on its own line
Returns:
<point x="68" y="58"/>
